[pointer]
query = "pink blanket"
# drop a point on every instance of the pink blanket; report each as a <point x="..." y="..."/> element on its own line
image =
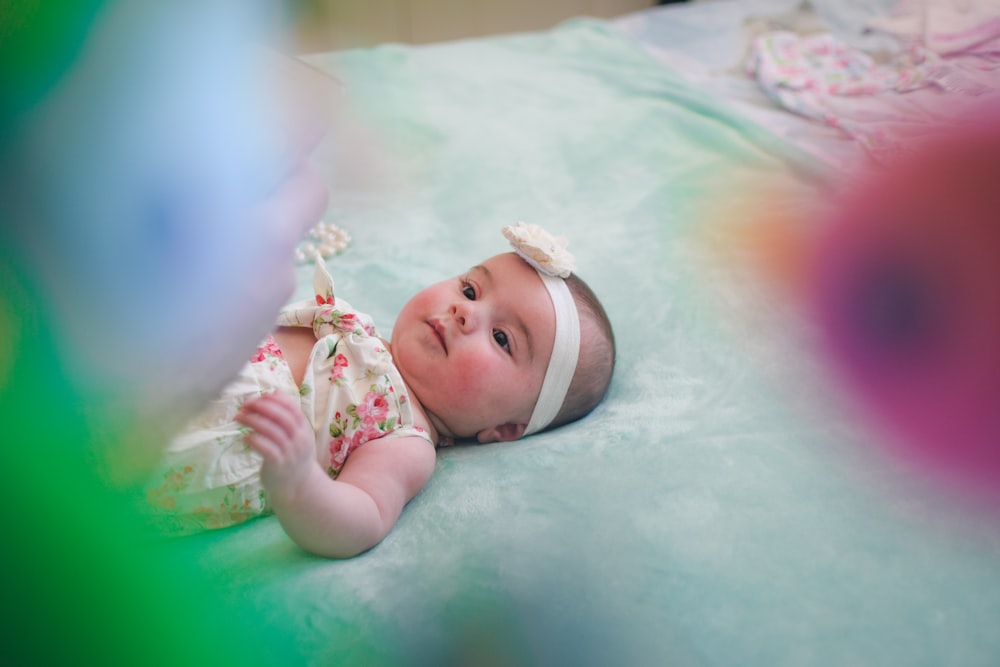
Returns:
<point x="949" y="60"/>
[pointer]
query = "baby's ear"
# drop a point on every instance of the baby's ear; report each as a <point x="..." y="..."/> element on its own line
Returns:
<point x="501" y="433"/>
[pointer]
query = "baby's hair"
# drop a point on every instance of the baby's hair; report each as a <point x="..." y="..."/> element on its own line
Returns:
<point x="597" y="356"/>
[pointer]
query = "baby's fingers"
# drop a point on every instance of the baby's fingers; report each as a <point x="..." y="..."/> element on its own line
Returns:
<point x="265" y="436"/>
<point x="278" y="408"/>
<point x="278" y="426"/>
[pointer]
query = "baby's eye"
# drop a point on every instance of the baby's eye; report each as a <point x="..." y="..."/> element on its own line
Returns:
<point x="469" y="291"/>
<point x="501" y="338"/>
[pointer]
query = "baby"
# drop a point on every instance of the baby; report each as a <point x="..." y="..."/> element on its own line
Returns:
<point x="334" y="430"/>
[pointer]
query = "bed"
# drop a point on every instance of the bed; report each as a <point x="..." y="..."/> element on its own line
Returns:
<point x="722" y="506"/>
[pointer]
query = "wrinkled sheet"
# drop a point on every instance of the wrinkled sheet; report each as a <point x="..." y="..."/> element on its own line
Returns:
<point x="722" y="506"/>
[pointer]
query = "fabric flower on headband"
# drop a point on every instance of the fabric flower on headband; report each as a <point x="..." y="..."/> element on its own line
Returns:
<point x="540" y="249"/>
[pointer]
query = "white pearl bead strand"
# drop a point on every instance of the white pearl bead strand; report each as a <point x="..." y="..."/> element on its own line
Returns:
<point x="323" y="241"/>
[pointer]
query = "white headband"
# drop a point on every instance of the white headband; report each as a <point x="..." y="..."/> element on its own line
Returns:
<point x="549" y="257"/>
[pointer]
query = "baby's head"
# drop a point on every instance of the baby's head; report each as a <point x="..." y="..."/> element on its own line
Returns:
<point x="514" y="346"/>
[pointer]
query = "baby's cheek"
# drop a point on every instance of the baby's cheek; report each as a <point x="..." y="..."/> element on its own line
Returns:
<point x="481" y="384"/>
<point x="464" y="388"/>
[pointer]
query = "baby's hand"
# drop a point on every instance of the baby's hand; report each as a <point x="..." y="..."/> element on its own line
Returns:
<point x="282" y="435"/>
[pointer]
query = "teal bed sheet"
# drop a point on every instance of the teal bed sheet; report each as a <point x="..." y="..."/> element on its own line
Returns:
<point x="722" y="507"/>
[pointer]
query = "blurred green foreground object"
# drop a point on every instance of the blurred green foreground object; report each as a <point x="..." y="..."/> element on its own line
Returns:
<point x="83" y="580"/>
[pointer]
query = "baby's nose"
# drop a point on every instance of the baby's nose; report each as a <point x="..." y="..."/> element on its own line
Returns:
<point x="464" y="316"/>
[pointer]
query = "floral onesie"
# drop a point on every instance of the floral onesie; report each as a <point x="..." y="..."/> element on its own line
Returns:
<point x="351" y="393"/>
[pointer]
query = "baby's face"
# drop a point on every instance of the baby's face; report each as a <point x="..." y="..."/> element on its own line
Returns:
<point x="474" y="349"/>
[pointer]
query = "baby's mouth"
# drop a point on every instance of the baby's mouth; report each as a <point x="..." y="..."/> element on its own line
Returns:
<point x="438" y="330"/>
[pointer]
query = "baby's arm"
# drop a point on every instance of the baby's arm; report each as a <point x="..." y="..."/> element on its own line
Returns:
<point x="333" y="518"/>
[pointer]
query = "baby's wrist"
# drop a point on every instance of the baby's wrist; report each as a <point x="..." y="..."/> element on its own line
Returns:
<point x="287" y="490"/>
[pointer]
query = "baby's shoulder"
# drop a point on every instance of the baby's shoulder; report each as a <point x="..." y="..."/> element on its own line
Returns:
<point x="404" y="460"/>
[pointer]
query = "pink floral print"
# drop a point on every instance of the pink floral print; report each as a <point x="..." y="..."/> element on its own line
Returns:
<point x="340" y="364"/>
<point x="268" y="352"/>
<point x="351" y="393"/>
<point x="360" y="422"/>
